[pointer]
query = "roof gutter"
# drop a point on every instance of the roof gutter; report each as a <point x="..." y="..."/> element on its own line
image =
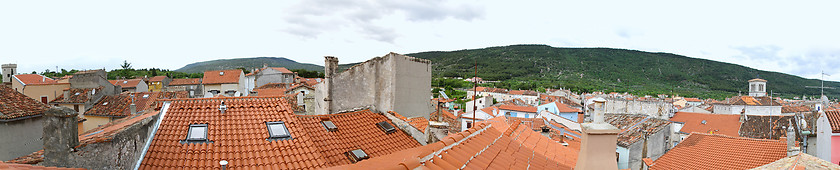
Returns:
<point x="152" y="134"/>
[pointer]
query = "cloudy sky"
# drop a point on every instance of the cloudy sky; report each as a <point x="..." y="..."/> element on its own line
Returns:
<point x="796" y="37"/>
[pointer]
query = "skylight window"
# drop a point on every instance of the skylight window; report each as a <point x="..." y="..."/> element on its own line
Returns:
<point x="145" y="96"/>
<point x="356" y="155"/>
<point x="197" y="133"/>
<point x="386" y="127"/>
<point x="277" y="130"/>
<point x="106" y="103"/>
<point x="77" y="94"/>
<point x="329" y="125"/>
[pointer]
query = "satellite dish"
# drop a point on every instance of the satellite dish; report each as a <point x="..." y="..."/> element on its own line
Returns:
<point x="237" y="94"/>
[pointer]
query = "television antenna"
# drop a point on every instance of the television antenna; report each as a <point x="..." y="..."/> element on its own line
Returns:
<point x="822" y="84"/>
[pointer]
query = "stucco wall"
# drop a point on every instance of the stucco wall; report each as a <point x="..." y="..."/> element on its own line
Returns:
<point x="81" y="107"/>
<point x="21" y="137"/>
<point x="823" y="140"/>
<point x="749" y="110"/>
<point x="94" y="122"/>
<point x="273" y="76"/>
<point x="51" y="91"/>
<point x="390" y="83"/>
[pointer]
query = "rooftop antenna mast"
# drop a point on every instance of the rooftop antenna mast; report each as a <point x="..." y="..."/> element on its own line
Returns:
<point x="822" y="84"/>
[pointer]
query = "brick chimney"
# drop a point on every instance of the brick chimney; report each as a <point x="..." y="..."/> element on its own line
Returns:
<point x="61" y="135"/>
<point x="598" y="143"/>
<point x="330" y="65"/>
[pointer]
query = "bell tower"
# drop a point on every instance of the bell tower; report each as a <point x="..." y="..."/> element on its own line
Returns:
<point x="758" y="87"/>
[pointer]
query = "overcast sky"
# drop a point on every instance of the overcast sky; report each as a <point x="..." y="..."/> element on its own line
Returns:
<point x="795" y="37"/>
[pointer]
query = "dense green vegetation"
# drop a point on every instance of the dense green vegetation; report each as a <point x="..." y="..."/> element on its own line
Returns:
<point x="612" y="70"/>
<point x="247" y="64"/>
<point x="127" y="72"/>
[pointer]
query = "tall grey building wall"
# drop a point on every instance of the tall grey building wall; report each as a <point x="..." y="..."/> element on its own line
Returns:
<point x="21" y="137"/>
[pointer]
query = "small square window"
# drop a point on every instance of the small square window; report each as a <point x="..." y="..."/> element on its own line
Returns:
<point x="385" y="126"/>
<point x="356" y="155"/>
<point x="277" y="130"/>
<point x="329" y="125"/>
<point x="197" y="133"/>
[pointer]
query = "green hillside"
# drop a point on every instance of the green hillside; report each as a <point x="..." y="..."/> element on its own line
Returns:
<point x="619" y="70"/>
<point x="248" y="63"/>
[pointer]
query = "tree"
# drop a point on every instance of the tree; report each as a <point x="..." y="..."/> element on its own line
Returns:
<point x="126" y="65"/>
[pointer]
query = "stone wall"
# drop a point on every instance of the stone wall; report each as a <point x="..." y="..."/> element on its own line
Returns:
<point x="391" y="83"/>
<point x="121" y="152"/>
<point x="20" y="137"/>
<point x="655" y="109"/>
<point x="60" y="136"/>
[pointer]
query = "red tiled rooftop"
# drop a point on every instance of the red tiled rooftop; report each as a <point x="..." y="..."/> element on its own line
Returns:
<point x="795" y="109"/>
<point x="270" y="92"/>
<point x="564" y="108"/>
<point x="34" y="79"/>
<point x="280" y="69"/>
<point x="725" y="124"/>
<point x="635" y="126"/>
<point x="419" y="122"/>
<point x="240" y="136"/>
<point x="178" y="82"/>
<point x="157" y="78"/>
<point x="494" y="144"/>
<point x="721" y="152"/>
<point x="118" y="105"/>
<point x="529" y="109"/>
<point x="229" y="76"/>
<point x="15" y="105"/>
<point x="130" y="83"/>
<point x="693" y="100"/>
<point x="833" y="119"/>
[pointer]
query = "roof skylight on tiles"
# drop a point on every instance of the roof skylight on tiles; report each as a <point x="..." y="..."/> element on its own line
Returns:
<point x="386" y="127"/>
<point x="197" y="133"/>
<point x="277" y="130"/>
<point x="356" y="155"/>
<point x="329" y="125"/>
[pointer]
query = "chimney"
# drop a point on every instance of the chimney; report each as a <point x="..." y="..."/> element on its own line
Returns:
<point x="132" y="107"/>
<point x="61" y="135"/>
<point x="330" y="64"/>
<point x="792" y="148"/>
<point x="222" y="107"/>
<point x="597" y="149"/>
<point x="436" y="131"/>
<point x="66" y="94"/>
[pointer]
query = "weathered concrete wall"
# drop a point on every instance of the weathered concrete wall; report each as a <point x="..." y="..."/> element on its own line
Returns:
<point x="391" y="83"/>
<point x="654" y="146"/>
<point x="748" y="110"/>
<point x="122" y="152"/>
<point x="21" y="137"/>
<point x="652" y="108"/>
<point x="50" y="91"/>
<point x="273" y="76"/>
<point x="60" y="136"/>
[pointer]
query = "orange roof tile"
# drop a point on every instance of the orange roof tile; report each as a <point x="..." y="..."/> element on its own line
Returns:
<point x="118" y="105"/>
<point x="833" y="119"/>
<point x="280" y="69"/>
<point x="16" y="106"/>
<point x="157" y="78"/>
<point x="177" y="82"/>
<point x="725" y="124"/>
<point x="419" y="122"/>
<point x="495" y="143"/>
<point x="529" y="109"/>
<point x="240" y="136"/>
<point x="130" y="83"/>
<point x="721" y="152"/>
<point x="32" y="79"/>
<point x="270" y="92"/>
<point x="635" y="126"/>
<point x="76" y="95"/>
<point x="533" y="123"/>
<point x="693" y="100"/>
<point x="795" y="109"/>
<point x="564" y="108"/>
<point x="222" y="76"/>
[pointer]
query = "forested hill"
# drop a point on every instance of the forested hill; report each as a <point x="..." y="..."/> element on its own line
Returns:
<point x="247" y="63"/>
<point x="620" y="70"/>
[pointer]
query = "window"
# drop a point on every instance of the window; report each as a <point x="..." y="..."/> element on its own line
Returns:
<point x="469" y="124"/>
<point x="356" y="155"/>
<point x="386" y="127"/>
<point x="76" y="108"/>
<point x="752" y="87"/>
<point x="329" y="125"/>
<point x="196" y="133"/>
<point x="760" y="87"/>
<point x="44" y="99"/>
<point x="277" y="131"/>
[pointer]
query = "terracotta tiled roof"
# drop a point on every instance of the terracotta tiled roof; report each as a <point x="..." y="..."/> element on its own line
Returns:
<point x="240" y="136"/>
<point x="752" y="101"/>
<point x="833" y="119"/>
<point x="563" y="108"/>
<point x="33" y="158"/>
<point x="229" y="77"/>
<point x="118" y="105"/>
<point x="157" y="78"/>
<point x="33" y="79"/>
<point x="280" y="69"/>
<point x="106" y="132"/>
<point x="765" y="127"/>
<point x="757" y="80"/>
<point x="635" y="126"/>
<point x="721" y="152"/>
<point x="178" y="82"/>
<point x="130" y="83"/>
<point x="693" y="100"/>
<point x="493" y="144"/>
<point x="533" y="123"/>
<point x="795" y="109"/>
<point x="311" y="81"/>
<point x="419" y="122"/>
<point x="16" y="106"/>
<point x="30" y="167"/>
<point x="800" y="161"/>
<point x="523" y="92"/>
<point x="724" y="124"/>
<point x="273" y="86"/>
<point x="270" y="92"/>
<point x="529" y="109"/>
